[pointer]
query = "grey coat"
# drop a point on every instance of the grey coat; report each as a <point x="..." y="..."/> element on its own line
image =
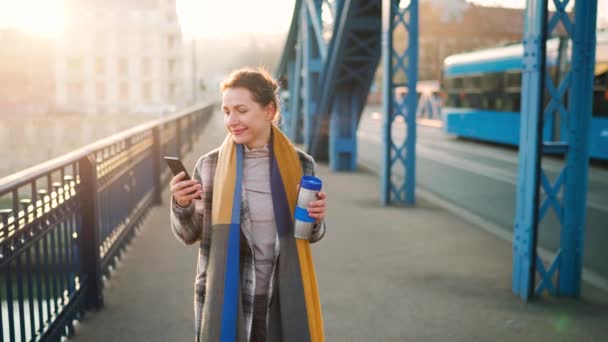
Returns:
<point x="192" y="224"/>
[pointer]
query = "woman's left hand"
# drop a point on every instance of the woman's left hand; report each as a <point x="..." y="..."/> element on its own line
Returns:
<point x="317" y="208"/>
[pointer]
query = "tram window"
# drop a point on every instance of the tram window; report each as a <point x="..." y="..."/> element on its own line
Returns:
<point x="512" y="102"/>
<point x="473" y="100"/>
<point x="498" y="103"/>
<point x="455" y="83"/>
<point x="491" y="81"/>
<point x="513" y="80"/>
<point x="485" y="102"/>
<point x="600" y="103"/>
<point x="601" y="81"/>
<point x="472" y="82"/>
<point x="453" y="100"/>
<point x="493" y="100"/>
<point x="477" y="82"/>
<point x="448" y="83"/>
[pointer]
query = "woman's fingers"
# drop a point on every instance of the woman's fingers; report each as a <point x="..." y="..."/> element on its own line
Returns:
<point x="320" y="202"/>
<point x="177" y="178"/>
<point x="182" y="185"/>
<point x="318" y="215"/>
<point x="187" y="190"/>
<point x="317" y="209"/>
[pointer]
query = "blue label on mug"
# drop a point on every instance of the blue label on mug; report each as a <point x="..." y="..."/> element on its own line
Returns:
<point x="301" y="214"/>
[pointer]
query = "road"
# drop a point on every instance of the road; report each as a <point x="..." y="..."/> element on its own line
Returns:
<point x="481" y="178"/>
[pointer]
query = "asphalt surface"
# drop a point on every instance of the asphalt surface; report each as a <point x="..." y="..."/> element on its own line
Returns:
<point x="482" y="178"/>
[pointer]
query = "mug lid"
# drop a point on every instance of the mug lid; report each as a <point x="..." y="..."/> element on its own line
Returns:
<point x="311" y="183"/>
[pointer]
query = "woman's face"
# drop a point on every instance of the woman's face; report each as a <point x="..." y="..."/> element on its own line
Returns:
<point x="246" y="119"/>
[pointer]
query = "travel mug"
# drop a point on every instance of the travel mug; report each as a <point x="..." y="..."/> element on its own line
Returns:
<point x="309" y="186"/>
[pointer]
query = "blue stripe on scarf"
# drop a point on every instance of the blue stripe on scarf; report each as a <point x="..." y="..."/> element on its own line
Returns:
<point x="282" y="213"/>
<point x="231" y="281"/>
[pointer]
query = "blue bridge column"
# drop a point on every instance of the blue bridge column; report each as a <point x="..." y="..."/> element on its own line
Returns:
<point x="313" y="48"/>
<point x="577" y="159"/>
<point x="350" y="62"/>
<point x="295" y="100"/>
<point x="399" y="155"/>
<point x="526" y="215"/>
<point x="343" y="124"/>
<point x="538" y="121"/>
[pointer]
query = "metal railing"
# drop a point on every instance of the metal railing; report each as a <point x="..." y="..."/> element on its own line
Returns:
<point x="67" y="220"/>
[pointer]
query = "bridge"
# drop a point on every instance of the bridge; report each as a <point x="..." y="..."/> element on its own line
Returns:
<point x="454" y="238"/>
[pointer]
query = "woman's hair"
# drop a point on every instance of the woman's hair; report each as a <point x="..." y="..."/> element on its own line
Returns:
<point x="260" y="83"/>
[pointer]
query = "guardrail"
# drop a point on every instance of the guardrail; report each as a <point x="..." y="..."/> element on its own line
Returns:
<point x="68" y="219"/>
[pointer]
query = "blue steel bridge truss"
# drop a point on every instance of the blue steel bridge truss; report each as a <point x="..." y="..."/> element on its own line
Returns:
<point x="566" y="195"/>
<point x="329" y="73"/>
<point x="331" y="54"/>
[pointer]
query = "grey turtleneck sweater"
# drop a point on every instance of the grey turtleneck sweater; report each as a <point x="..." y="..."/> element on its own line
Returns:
<point x="263" y="232"/>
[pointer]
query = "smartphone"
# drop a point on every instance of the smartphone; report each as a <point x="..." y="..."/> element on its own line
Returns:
<point x="176" y="167"/>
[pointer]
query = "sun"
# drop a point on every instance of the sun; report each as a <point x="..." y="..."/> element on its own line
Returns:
<point x="39" y="17"/>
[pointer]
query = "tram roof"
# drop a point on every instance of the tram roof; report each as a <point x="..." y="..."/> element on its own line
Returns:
<point x="509" y="58"/>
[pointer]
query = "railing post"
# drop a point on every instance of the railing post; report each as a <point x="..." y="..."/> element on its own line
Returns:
<point x="190" y="131"/>
<point x="156" y="166"/>
<point x="178" y="137"/>
<point x="89" y="240"/>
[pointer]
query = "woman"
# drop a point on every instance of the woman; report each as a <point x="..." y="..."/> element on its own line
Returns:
<point x="255" y="281"/>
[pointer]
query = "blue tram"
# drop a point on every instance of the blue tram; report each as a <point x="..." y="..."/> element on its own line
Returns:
<point x="482" y="91"/>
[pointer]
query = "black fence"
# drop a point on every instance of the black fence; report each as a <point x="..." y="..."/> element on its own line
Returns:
<point x="66" y="221"/>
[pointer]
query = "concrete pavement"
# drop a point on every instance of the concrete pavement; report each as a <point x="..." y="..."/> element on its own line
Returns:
<point x="385" y="274"/>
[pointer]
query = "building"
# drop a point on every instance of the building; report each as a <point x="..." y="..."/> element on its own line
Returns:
<point x="120" y="56"/>
<point x="453" y="26"/>
<point x="26" y="70"/>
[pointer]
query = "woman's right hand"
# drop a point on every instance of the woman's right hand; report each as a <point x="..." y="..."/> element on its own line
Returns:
<point x="184" y="191"/>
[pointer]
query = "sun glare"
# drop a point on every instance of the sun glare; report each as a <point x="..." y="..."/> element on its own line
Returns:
<point x="206" y="17"/>
<point x="39" y="17"/>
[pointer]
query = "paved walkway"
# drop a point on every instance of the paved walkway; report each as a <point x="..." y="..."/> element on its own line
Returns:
<point x="385" y="274"/>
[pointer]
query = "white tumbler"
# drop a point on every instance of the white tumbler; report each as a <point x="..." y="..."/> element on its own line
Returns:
<point x="309" y="186"/>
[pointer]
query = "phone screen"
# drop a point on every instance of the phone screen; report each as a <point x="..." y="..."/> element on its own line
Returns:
<point x="176" y="166"/>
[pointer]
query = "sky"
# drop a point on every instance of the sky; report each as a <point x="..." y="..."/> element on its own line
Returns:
<point x="199" y="17"/>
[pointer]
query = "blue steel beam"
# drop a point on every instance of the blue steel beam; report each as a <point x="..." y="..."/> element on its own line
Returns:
<point x="312" y="63"/>
<point x="295" y="99"/>
<point x="526" y="214"/>
<point x="352" y="58"/>
<point x="573" y="123"/>
<point x="299" y="68"/>
<point x="406" y="61"/>
<point x="314" y="11"/>
<point x="289" y="72"/>
<point x="577" y="159"/>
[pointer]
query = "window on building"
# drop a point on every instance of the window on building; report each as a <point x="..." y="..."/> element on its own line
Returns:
<point x="123" y="92"/>
<point x="171" y="41"/>
<point x="74" y="64"/>
<point x="99" y="66"/>
<point x="146" y="91"/>
<point x="171" y="90"/>
<point x="171" y="65"/>
<point x="100" y="89"/>
<point x="75" y="90"/>
<point x="146" y="66"/>
<point x="123" y="66"/>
